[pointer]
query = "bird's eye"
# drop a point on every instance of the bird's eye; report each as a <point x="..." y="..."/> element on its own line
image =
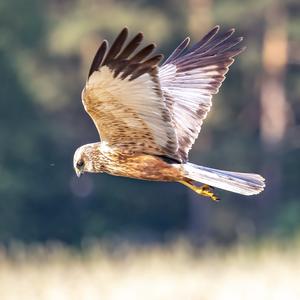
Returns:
<point x="80" y="163"/>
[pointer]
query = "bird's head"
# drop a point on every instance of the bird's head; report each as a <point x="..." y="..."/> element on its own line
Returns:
<point x="83" y="160"/>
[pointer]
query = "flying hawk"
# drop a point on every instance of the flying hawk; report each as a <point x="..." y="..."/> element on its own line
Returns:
<point x="148" y="116"/>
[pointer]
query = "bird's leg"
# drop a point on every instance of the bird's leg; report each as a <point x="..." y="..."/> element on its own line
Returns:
<point x="204" y="190"/>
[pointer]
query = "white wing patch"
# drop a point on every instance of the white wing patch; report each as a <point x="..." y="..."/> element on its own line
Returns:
<point x="137" y="106"/>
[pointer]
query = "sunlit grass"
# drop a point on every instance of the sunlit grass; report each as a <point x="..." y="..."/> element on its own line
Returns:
<point x="175" y="272"/>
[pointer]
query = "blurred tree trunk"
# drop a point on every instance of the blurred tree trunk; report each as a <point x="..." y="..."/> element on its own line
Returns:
<point x="199" y="17"/>
<point x="274" y="106"/>
<point x="199" y="21"/>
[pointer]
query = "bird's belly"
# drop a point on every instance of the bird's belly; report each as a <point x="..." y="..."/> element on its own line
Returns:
<point x="146" y="167"/>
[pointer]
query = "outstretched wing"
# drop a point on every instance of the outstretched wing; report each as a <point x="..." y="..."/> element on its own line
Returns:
<point x="124" y="99"/>
<point x="190" y="77"/>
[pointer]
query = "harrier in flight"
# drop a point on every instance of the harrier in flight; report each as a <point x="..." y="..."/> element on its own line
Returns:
<point x="148" y="116"/>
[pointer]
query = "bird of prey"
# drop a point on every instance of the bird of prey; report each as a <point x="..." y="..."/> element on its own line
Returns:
<point x="148" y="116"/>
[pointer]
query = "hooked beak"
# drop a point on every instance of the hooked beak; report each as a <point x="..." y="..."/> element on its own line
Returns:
<point x="78" y="172"/>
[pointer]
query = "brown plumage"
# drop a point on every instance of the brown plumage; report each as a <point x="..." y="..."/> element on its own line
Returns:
<point x="148" y="117"/>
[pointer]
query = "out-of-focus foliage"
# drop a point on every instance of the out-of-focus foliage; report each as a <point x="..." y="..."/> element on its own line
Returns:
<point x="45" y="51"/>
<point x="174" y="272"/>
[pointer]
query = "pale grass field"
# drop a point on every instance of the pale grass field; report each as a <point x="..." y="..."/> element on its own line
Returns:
<point x="172" y="272"/>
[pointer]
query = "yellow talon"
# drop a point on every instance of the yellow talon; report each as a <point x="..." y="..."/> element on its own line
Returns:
<point x="207" y="191"/>
<point x="204" y="190"/>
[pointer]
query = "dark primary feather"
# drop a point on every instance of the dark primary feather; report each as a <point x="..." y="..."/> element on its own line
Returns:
<point x="147" y="66"/>
<point x="96" y="63"/>
<point x="116" y="47"/>
<point x="132" y="46"/>
<point x="142" y="54"/>
<point x="124" y="59"/>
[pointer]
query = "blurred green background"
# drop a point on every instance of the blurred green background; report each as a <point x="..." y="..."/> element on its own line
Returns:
<point x="45" y="51"/>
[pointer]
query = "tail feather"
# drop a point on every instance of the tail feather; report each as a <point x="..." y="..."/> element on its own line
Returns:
<point x="241" y="183"/>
